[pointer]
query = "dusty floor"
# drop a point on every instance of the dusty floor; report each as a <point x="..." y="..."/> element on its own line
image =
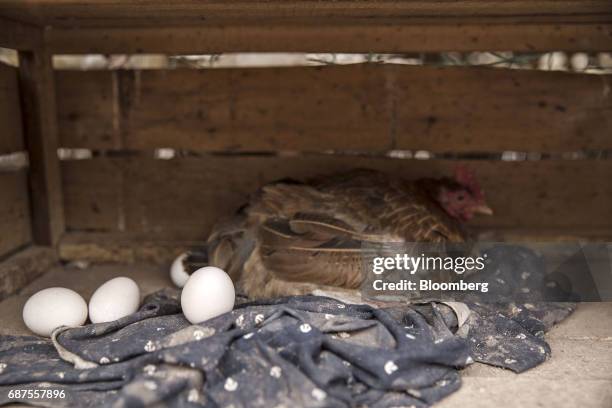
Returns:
<point x="579" y="374"/>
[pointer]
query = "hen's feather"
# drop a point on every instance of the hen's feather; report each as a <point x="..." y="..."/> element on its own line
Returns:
<point x="313" y="233"/>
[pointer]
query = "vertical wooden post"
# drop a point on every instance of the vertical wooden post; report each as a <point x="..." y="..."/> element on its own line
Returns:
<point x="40" y="125"/>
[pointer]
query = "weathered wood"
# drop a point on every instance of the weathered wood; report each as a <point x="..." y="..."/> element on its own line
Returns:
<point x="79" y="12"/>
<point x="181" y="199"/>
<point x="357" y="107"/>
<point x="360" y="37"/>
<point x="11" y="133"/>
<point x="193" y="26"/>
<point x="97" y="208"/>
<point x="14" y="212"/>
<point x="261" y="109"/>
<point x="122" y="247"/>
<point x="19" y="36"/>
<point x="159" y="249"/>
<point x="494" y="110"/>
<point x="87" y="109"/>
<point x="37" y="86"/>
<point x="22" y="268"/>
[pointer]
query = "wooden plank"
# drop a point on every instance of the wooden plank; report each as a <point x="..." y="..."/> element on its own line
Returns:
<point x="22" y="268"/>
<point x="74" y="12"/>
<point x="356" y="107"/>
<point x="496" y="110"/>
<point x="222" y="109"/>
<point x="18" y="35"/>
<point x="262" y="109"/>
<point x="122" y="247"/>
<point x="181" y="199"/>
<point x="37" y="86"/>
<point x="11" y="133"/>
<point x="98" y="208"/>
<point x="360" y="37"/>
<point x="14" y="212"/>
<point x="87" y="109"/>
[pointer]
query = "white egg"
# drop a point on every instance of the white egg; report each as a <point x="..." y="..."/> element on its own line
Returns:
<point x="178" y="274"/>
<point x="208" y="293"/>
<point x="580" y="61"/>
<point x="117" y="298"/>
<point x="51" y="308"/>
<point x="556" y="61"/>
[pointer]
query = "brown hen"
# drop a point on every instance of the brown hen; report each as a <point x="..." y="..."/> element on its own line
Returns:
<point x="294" y="238"/>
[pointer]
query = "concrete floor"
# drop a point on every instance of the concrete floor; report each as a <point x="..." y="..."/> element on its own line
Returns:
<point x="579" y="374"/>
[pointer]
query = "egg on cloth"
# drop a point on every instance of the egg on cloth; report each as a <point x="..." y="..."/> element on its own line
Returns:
<point x="116" y="298"/>
<point x="51" y="308"/>
<point x="178" y="274"/>
<point x="208" y="293"/>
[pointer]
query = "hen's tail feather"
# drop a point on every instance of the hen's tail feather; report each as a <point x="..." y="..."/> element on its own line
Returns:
<point x="229" y="246"/>
<point x="195" y="259"/>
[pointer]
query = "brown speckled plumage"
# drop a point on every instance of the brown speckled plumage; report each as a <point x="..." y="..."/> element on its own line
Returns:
<point x="293" y="238"/>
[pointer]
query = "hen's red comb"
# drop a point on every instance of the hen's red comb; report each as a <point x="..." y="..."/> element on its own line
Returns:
<point x="467" y="178"/>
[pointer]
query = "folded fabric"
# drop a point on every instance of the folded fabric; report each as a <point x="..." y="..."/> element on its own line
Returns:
<point x="296" y="351"/>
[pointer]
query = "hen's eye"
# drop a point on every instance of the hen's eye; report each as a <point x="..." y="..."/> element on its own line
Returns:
<point x="460" y="197"/>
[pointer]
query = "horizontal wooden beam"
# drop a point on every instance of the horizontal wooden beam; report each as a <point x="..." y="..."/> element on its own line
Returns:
<point x="356" y="107"/>
<point x="71" y="12"/>
<point x="128" y="248"/>
<point x="385" y="37"/>
<point x="122" y="247"/>
<point x="19" y="36"/>
<point x="181" y="199"/>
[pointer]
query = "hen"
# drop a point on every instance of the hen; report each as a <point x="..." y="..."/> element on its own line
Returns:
<point x="294" y="238"/>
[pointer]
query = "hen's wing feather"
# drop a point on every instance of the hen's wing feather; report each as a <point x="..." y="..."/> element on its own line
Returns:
<point x="311" y="255"/>
<point x="315" y="233"/>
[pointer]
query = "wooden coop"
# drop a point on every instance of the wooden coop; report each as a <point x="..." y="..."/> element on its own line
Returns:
<point x="126" y="210"/>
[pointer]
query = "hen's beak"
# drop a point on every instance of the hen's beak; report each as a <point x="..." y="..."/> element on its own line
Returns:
<point x="483" y="209"/>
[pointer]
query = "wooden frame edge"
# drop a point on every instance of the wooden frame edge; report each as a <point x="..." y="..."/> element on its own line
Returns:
<point x="361" y="37"/>
<point x="22" y="268"/>
<point x="37" y="84"/>
<point x="20" y="36"/>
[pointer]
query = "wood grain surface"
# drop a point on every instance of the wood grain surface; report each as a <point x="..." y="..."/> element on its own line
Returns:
<point x="11" y="131"/>
<point x="354" y="107"/>
<point x="181" y="199"/>
<point x="14" y="212"/>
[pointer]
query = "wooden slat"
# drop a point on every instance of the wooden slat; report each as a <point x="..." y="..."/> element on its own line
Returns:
<point x="361" y="37"/>
<point x="493" y="110"/>
<point x="127" y="247"/>
<point x="19" y="36"/>
<point x="182" y="199"/>
<point x="22" y="268"/>
<point x="11" y="132"/>
<point x="98" y="208"/>
<point x="375" y="107"/>
<point x="87" y="109"/>
<point x="122" y="247"/>
<point x="37" y="86"/>
<point x="224" y="109"/>
<point x="193" y="26"/>
<point x="309" y="109"/>
<point x="75" y="12"/>
<point x="14" y="212"/>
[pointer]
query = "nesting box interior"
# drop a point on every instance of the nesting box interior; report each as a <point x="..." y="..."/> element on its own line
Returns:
<point x="114" y="201"/>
